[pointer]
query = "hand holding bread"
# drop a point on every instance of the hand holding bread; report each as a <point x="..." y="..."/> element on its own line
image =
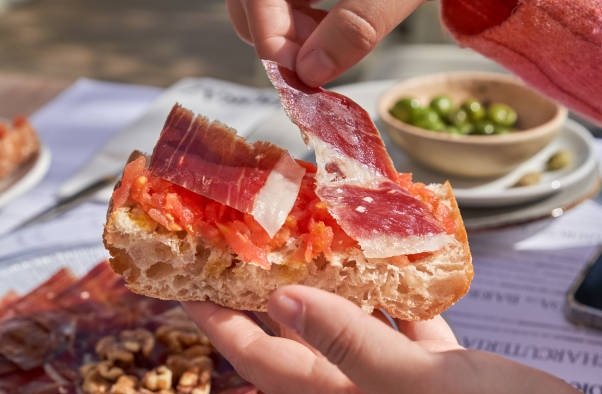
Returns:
<point x="326" y="344"/>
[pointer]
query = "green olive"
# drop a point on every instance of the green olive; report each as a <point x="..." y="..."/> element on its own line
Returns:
<point x="453" y="130"/>
<point x="484" y="127"/>
<point x="458" y="118"/>
<point x="403" y="108"/>
<point x="502" y="114"/>
<point x="424" y="115"/>
<point x="417" y="114"/>
<point x="529" y="179"/>
<point x="443" y="105"/>
<point x="501" y="129"/>
<point x="460" y="130"/>
<point x="466" y="128"/>
<point x="434" y="126"/>
<point x="427" y="118"/>
<point x="559" y="160"/>
<point x="475" y="110"/>
<point x="409" y="102"/>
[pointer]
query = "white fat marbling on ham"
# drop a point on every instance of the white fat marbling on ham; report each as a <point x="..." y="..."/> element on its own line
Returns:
<point x="275" y="199"/>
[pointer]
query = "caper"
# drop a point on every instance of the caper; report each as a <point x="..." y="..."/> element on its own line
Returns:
<point x="529" y="179"/>
<point x="475" y="110"/>
<point x="558" y="160"/>
<point x="502" y="114"/>
<point x="443" y="105"/>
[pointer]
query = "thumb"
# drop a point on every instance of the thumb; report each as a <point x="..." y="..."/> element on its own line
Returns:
<point x="348" y="33"/>
<point x="371" y="354"/>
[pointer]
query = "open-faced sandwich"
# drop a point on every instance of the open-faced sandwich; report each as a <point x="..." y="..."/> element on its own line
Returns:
<point x="18" y="144"/>
<point x="209" y="216"/>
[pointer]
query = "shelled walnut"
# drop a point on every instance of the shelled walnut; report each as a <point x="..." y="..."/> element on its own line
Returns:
<point x="177" y="338"/>
<point x="139" y="340"/>
<point x="124" y="362"/>
<point x="195" y="381"/>
<point x="126" y="384"/>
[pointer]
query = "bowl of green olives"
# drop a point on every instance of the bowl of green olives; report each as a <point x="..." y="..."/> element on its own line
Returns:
<point x="469" y="124"/>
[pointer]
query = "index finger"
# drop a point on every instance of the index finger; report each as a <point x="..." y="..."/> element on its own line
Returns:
<point x="349" y="32"/>
<point x="279" y="27"/>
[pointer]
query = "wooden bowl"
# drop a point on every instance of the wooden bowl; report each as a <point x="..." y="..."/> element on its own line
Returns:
<point x="475" y="156"/>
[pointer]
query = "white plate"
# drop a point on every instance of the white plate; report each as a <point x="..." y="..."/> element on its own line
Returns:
<point x="574" y="138"/>
<point x="278" y="129"/>
<point x="549" y="207"/>
<point x="25" y="177"/>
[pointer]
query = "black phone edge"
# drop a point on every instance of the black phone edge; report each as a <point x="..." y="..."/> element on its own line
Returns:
<point x="576" y="312"/>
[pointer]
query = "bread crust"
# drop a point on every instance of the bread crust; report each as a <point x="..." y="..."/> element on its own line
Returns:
<point x="178" y="266"/>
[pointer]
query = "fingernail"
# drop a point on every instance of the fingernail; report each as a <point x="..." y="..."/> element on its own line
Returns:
<point x="316" y="68"/>
<point x="287" y="311"/>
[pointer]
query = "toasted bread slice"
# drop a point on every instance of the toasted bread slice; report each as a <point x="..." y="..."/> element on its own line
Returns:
<point x="176" y="265"/>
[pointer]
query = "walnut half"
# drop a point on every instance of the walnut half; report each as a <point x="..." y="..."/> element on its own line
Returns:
<point x="139" y="340"/>
<point x="126" y="384"/>
<point x="195" y="382"/>
<point x="111" y="349"/>
<point x="125" y="358"/>
<point x="159" y="378"/>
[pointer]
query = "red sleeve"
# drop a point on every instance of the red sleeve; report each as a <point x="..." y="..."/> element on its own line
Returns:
<point x="555" y="45"/>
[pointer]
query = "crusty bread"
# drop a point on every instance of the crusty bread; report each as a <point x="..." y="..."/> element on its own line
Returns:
<point x="178" y="266"/>
<point x="18" y="143"/>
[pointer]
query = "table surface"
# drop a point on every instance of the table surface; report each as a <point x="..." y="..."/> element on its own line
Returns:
<point x="20" y="95"/>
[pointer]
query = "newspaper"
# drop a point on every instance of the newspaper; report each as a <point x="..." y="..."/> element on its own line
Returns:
<point x="515" y="304"/>
<point x="73" y="127"/>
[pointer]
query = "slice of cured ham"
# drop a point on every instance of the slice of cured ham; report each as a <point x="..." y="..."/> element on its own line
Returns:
<point x="356" y="177"/>
<point x="42" y="298"/>
<point x="209" y="159"/>
<point x="42" y="351"/>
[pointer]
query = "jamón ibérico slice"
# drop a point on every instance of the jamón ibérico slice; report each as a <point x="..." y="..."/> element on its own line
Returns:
<point x="42" y="298"/>
<point x="209" y="159"/>
<point x="386" y="211"/>
<point x="356" y="177"/>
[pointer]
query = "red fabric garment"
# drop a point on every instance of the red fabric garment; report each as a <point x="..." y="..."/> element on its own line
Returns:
<point x="555" y="45"/>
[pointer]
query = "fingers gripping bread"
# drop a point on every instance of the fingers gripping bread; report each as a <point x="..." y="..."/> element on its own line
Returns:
<point x="177" y="265"/>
